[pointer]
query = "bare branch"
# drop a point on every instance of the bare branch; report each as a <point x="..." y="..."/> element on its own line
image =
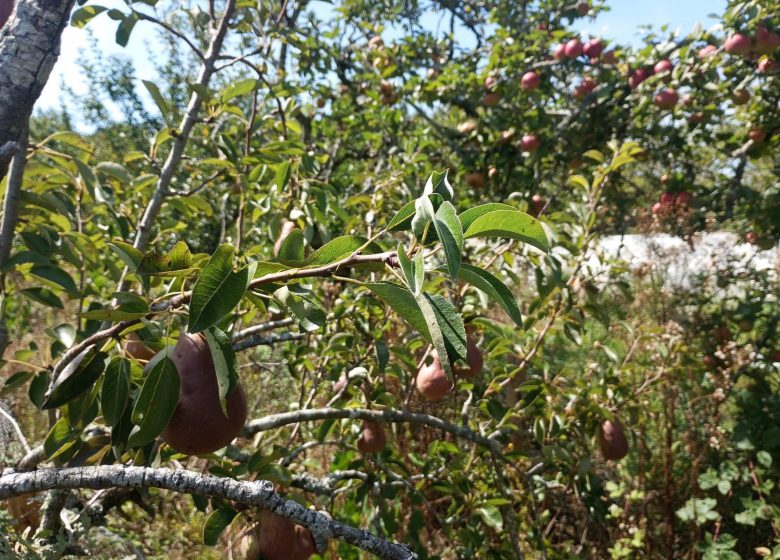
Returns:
<point x="172" y="31"/>
<point x="262" y="327"/>
<point x="257" y="340"/>
<point x="251" y="493"/>
<point x="388" y="416"/>
<point x="13" y="193"/>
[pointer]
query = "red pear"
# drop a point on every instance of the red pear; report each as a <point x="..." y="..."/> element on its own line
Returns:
<point x="432" y="382"/>
<point x="612" y="440"/>
<point x="198" y="424"/>
<point x="372" y="439"/>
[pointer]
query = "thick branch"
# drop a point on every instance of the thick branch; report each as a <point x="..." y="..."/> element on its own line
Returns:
<point x="13" y="193"/>
<point x="251" y="493"/>
<point x="29" y="47"/>
<point x="389" y="416"/>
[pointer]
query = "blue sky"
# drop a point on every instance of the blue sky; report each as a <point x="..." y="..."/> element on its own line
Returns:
<point x="620" y="24"/>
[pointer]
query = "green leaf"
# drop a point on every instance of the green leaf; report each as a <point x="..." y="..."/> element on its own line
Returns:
<point x="468" y="217"/>
<point x="84" y="15"/>
<point x="491" y="515"/>
<point x="44" y="296"/>
<point x="494" y="288"/>
<point x="131" y="256"/>
<point x="215" y="523"/>
<point x="218" y="290"/>
<point x="58" y="437"/>
<point x="178" y="258"/>
<point x="225" y="363"/>
<point x="291" y="249"/>
<point x="308" y="312"/>
<point x="403" y="218"/>
<point x="57" y="276"/>
<point x="450" y="234"/>
<point x="438" y="183"/>
<point x="241" y="87"/>
<point x="16" y="380"/>
<point x="446" y="330"/>
<point x="157" y="400"/>
<point x="124" y="30"/>
<point x="409" y="270"/>
<point x="158" y="98"/>
<point x="113" y="315"/>
<point x="116" y="170"/>
<point x="512" y="224"/>
<point x="116" y="390"/>
<point x="339" y="248"/>
<point x="438" y="311"/>
<point x="77" y="377"/>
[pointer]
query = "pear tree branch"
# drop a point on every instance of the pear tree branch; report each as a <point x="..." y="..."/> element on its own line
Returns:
<point x="258" y="493"/>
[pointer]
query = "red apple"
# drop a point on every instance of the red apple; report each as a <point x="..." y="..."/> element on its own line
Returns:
<point x="583" y="8"/>
<point x="751" y="237"/>
<point x="668" y="199"/>
<point x="529" y="81"/>
<point x="696" y="118"/>
<point x="666" y="98"/>
<point x="637" y="77"/>
<point x="688" y="100"/>
<point x="593" y="48"/>
<point x="738" y="44"/>
<point x="491" y="99"/>
<point x="709" y="361"/>
<point x="740" y="96"/>
<point x="492" y="172"/>
<point x="657" y="207"/>
<point x="707" y="51"/>
<point x="506" y="136"/>
<point x="609" y="57"/>
<point x="768" y="66"/>
<point x="573" y="48"/>
<point x="663" y="67"/>
<point x="683" y="198"/>
<point x="475" y="180"/>
<point x="757" y="135"/>
<point x="766" y="41"/>
<point x="530" y="142"/>
<point x="490" y="83"/>
<point x="560" y="52"/>
<point x="537" y="204"/>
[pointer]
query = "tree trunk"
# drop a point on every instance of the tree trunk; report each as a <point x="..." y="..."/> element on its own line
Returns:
<point x="29" y="47"/>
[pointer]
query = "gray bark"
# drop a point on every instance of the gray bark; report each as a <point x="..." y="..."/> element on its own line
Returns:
<point x="251" y="493"/>
<point x="392" y="416"/>
<point x="29" y="47"/>
<point x="13" y="193"/>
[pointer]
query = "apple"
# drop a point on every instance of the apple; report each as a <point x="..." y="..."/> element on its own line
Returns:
<point x="751" y="237"/>
<point x="766" y="41"/>
<point x="490" y="83"/>
<point x="637" y="77"/>
<point x="492" y="172"/>
<point x="709" y="361"/>
<point x="475" y="180"/>
<point x="609" y="57"/>
<point x="740" y="96"/>
<point x="507" y="136"/>
<point x="768" y="66"/>
<point x="738" y="44"/>
<point x="757" y="135"/>
<point x="537" y="204"/>
<point x="668" y="199"/>
<point x="583" y="8"/>
<point x="696" y="118"/>
<point x="467" y="127"/>
<point x="491" y="99"/>
<point x="560" y="52"/>
<point x="657" y="207"/>
<point x="664" y="67"/>
<point x="593" y="48"/>
<point x="573" y="48"/>
<point x="529" y="81"/>
<point x="707" y="51"/>
<point x="688" y="100"/>
<point x="683" y="198"/>
<point x="530" y="143"/>
<point x="665" y="178"/>
<point x="666" y="98"/>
